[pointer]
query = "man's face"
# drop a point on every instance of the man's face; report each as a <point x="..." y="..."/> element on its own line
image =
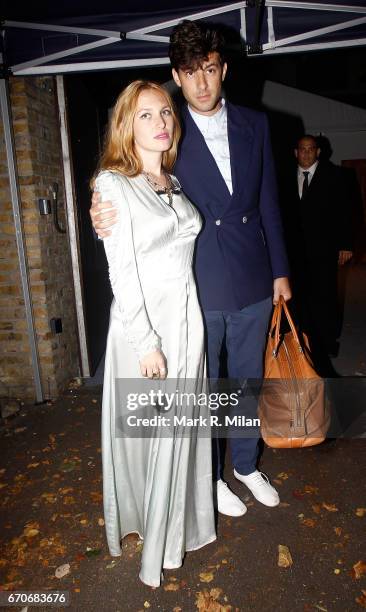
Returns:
<point x="202" y="87"/>
<point x="307" y="152"/>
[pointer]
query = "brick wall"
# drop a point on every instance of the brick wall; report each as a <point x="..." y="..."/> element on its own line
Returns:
<point x="39" y="159"/>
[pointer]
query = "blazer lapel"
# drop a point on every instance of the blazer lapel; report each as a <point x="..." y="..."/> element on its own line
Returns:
<point x="203" y="167"/>
<point x="240" y="136"/>
<point x="313" y="183"/>
<point x="198" y="141"/>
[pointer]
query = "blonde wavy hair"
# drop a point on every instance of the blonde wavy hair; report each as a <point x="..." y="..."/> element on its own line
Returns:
<point x="119" y="150"/>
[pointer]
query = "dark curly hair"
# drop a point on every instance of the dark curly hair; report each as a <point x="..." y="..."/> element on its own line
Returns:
<point x="191" y="42"/>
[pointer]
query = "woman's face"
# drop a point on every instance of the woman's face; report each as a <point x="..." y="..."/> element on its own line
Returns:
<point x="153" y="124"/>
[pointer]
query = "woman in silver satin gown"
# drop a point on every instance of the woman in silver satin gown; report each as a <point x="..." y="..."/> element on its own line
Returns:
<point x="158" y="486"/>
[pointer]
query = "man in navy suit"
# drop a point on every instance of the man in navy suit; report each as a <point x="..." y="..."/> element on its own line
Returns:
<point x="225" y="167"/>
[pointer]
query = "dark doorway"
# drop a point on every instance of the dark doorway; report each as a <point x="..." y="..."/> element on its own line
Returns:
<point x="355" y="173"/>
<point x="89" y="98"/>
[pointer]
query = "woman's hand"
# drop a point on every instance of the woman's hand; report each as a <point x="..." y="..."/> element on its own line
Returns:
<point x="153" y="365"/>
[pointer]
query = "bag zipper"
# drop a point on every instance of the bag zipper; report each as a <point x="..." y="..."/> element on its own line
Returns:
<point x="297" y="401"/>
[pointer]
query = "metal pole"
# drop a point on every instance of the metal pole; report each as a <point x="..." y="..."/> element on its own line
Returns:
<point x="15" y="198"/>
<point x="72" y="226"/>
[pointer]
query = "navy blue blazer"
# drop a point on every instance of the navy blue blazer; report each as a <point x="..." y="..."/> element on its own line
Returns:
<point x="240" y="249"/>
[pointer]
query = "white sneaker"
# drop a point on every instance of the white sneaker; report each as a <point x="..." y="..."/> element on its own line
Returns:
<point x="261" y="488"/>
<point x="227" y="502"/>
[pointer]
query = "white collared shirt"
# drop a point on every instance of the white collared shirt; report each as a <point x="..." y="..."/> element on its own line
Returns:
<point x="301" y="178"/>
<point x="214" y="130"/>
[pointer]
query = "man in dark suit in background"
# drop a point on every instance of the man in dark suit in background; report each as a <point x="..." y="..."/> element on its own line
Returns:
<point x="318" y="233"/>
<point x="225" y="167"/>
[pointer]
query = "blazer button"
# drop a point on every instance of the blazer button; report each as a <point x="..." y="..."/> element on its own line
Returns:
<point x="218" y="221"/>
<point x="245" y="219"/>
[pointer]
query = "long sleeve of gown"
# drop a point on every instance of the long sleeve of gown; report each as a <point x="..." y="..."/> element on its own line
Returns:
<point x="123" y="270"/>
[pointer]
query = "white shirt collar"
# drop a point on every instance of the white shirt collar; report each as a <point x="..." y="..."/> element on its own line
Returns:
<point x="311" y="170"/>
<point x="204" y="121"/>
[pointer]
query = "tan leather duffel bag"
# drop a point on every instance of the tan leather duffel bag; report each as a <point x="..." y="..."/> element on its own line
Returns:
<point x="293" y="409"/>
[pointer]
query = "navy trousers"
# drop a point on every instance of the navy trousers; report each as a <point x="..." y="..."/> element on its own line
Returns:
<point x="244" y="334"/>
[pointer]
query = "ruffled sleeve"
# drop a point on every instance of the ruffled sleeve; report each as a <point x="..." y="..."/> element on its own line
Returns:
<point x="123" y="269"/>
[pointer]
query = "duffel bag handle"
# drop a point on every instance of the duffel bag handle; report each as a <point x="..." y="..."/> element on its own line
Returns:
<point x="276" y="324"/>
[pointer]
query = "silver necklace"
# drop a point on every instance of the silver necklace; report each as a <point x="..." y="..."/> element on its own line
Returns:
<point x="167" y="189"/>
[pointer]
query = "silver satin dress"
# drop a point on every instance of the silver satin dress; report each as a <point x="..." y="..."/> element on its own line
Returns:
<point x="158" y="486"/>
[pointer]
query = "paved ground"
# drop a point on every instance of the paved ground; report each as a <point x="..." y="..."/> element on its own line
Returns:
<point x="51" y="514"/>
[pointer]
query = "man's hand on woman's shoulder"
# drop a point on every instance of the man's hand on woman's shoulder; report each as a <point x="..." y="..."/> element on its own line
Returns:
<point x="103" y="215"/>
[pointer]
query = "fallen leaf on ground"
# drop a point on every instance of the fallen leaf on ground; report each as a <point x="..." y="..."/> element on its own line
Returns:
<point x="308" y="522"/>
<point x="50" y="498"/>
<point x="284" y="556"/>
<point x="309" y="489"/>
<point x="361" y="600"/>
<point x="361" y="512"/>
<point x="330" y="507"/>
<point x="206" y="576"/>
<point x="112" y="563"/>
<point x="147" y="604"/>
<point x="11" y="586"/>
<point x="172" y="586"/>
<point x="62" y="570"/>
<point x="316" y="508"/>
<point x="358" y="570"/>
<point x="282" y="475"/>
<point x="96" y="496"/>
<point x="31" y="533"/>
<point x="68" y="500"/>
<point x="32" y="465"/>
<point x="207" y="601"/>
<point x="338" y="531"/>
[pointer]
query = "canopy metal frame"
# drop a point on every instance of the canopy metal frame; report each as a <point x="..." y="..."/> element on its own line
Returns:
<point x="285" y="45"/>
<point x="43" y="65"/>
